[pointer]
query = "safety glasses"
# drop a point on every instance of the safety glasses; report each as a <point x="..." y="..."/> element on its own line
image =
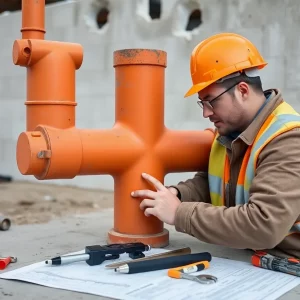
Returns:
<point x="210" y="104"/>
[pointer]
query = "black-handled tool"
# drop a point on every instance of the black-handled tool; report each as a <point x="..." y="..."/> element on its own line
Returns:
<point x="96" y="254"/>
<point x="163" y="263"/>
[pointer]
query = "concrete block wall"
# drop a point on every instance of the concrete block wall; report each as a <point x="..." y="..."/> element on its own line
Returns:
<point x="272" y="25"/>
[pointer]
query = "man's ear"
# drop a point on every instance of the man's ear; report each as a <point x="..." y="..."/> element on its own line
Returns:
<point x="244" y="89"/>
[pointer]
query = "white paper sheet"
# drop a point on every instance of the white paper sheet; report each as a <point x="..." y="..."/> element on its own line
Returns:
<point x="236" y="280"/>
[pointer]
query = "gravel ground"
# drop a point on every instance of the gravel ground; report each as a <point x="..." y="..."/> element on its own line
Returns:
<point x="29" y="203"/>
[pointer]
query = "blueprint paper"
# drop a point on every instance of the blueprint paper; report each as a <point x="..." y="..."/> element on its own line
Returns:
<point x="236" y="280"/>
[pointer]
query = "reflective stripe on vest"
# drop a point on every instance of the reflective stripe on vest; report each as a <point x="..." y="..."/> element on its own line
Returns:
<point x="283" y="118"/>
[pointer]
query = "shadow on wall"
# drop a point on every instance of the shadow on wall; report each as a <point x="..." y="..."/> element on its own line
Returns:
<point x="187" y="15"/>
<point x="194" y="19"/>
<point x="14" y="5"/>
<point x="102" y="7"/>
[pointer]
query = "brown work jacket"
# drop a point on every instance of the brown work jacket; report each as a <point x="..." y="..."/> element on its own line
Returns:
<point x="274" y="202"/>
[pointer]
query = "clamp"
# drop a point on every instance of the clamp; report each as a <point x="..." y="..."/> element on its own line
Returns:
<point x="98" y="253"/>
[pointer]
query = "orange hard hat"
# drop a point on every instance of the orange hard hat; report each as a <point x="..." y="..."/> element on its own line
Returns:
<point x="221" y="55"/>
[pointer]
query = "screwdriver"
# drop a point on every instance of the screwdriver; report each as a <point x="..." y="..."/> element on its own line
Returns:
<point x="267" y="261"/>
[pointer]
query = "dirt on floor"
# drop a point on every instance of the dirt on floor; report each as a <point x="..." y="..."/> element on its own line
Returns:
<point x="28" y="203"/>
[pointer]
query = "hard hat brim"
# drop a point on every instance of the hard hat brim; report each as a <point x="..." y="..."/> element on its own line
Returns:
<point x="198" y="87"/>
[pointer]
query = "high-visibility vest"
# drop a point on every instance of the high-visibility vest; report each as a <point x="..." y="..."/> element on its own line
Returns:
<point x="282" y="119"/>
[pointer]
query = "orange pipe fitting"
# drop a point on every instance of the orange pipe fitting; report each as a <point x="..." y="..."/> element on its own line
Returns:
<point x="53" y="148"/>
<point x="50" y="82"/>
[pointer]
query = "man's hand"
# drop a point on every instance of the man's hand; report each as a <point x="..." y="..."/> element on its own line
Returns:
<point x="162" y="204"/>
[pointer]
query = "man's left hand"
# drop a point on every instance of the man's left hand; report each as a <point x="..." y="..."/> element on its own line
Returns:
<point x="162" y="204"/>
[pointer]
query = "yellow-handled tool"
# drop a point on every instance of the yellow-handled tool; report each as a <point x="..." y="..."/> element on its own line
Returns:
<point x="183" y="273"/>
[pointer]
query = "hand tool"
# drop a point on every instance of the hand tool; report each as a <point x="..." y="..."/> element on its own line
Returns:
<point x="267" y="261"/>
<point x="4" y="261"/>
<point x="191" y="268"/>
<point x="4" y="223"/>
<point x="4" y="178"/>
<point x="162" y="263"/>
<point x="182" y="273"/>
<point x="95" y="255"/>
<point x="181" y="251"/>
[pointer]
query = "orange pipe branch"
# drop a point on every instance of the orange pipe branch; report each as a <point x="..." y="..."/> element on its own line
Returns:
<point x="183" y="151"/>
<point x="52" y="147"/>
<point x="74" y="151"/>
<point x="33" y="19"/>
<point x="139" y="92"/>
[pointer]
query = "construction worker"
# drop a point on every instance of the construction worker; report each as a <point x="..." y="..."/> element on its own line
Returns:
<point x="249" y="198"/>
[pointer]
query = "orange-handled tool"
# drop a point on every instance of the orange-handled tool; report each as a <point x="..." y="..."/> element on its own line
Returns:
<point x="191" y="268"/>
<point x="183" y="273"/>
<point x="4" y="261"/>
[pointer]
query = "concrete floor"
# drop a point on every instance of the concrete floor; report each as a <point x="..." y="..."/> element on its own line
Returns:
<point x="34" y="243"/>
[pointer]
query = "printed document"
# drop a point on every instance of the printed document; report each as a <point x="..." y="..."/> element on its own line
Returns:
<point x="236" y="280"/>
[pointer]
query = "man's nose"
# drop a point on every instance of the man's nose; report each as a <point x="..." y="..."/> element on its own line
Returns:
<point x="207" y="111"/>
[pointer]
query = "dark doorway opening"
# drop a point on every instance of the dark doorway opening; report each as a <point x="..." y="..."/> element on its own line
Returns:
<point x="154" y="9"/>
<point x="102" y="17"/>
<point x="195" y="20"/>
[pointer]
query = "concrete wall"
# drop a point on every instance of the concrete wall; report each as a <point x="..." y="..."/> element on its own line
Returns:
<point x="273" y="25"/>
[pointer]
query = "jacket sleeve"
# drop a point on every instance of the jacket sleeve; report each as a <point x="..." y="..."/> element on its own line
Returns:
<point x="195" y="189"/>
<point x="273" y="207"/>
